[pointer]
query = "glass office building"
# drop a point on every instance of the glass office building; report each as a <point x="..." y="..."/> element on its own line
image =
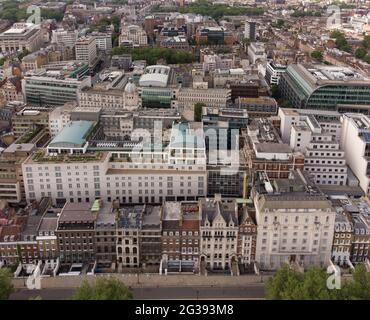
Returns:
<point x="46" y="89"/>
<point x="326" y="87"/>
<point x="156" y="97"/>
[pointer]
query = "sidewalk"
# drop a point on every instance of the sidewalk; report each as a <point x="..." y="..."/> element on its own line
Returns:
<point x="152" y="280"/>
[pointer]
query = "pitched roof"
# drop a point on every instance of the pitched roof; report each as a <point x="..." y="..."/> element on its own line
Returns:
<point x="214" y="209"/>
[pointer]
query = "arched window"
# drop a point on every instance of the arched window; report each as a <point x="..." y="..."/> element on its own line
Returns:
<point x="127" y="250"/>
<point x="119" y="250"/>
<point x="134" y="250"/>
<point x="128" y="260"/>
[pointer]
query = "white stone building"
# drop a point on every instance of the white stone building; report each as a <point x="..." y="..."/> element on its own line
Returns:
<point x="211" y="62"/>
<point x="21" y="36"/>
<point x="60" y="117"/>
<point x="174" y="173"/>
<point x="329" y="121"/>
<point x="223" y="77"/>
<point x="134" y="35"/>
<point x="218" y="230"/>
<point x="355" y="141"/>
<point x="324" y="159"/>
<point x="256" y="51"/>
<point x="295" y="224"/>
<point x="188" y="97"/>
<point x="86" y="50"/>
<point x="274" y="72"/>
<point x="103" y="41"/>
<point x="114" y="92"/>
<point x="63" y="37"/>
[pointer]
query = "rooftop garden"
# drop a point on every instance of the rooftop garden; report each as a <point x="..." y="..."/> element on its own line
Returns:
<point x="42" y="156"/>
<point x="28" y="136"/>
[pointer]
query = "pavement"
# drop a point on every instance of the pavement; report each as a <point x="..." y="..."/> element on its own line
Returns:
<point x="251" y="291"/>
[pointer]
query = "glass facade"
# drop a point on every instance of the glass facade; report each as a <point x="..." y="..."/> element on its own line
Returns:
<point x="156" y="97"/>
<point x="302" y="94"/>
<point x="43" y="92"/>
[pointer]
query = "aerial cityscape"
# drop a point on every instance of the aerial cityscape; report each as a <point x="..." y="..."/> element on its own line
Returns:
<point x="184" y="149"/>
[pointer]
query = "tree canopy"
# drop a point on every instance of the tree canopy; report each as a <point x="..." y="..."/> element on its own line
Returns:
<point x="275" y="92"/>
<point x="366" y="42"/>
<point x="287" y="284"/>
<point x="22" y="54"/>
<point x="103" y="289"/>
<point x="152" y="55"/>
<point x="12" y="12"/>
<point x="216" y="11"/>
<point x="6" y="286"/>
<point x="52" y="14"/>
<point x="360" y="53"/>
<point x="105" y="22"/>
<point x="279" y="23"/>
<point x="310" y="13"/>
<point x="340" y="41"/>
<point x="317" y="55"/>
<point x="198" y="108"/>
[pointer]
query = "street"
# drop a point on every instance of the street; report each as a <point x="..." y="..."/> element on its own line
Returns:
<point x="252" y="291"/>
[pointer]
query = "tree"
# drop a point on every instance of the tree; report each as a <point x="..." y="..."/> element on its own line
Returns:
<point x="198" y="110"/>
<point x="287" y="284"/>
<point x="366" y="42"/>
<point x="285" y="104"/>
<point x="359" y="287"/>
<point x="52" y="14"/>
<point x="6" y="286"/>
<point x="342" y="44"/>
<point x="23" y="54"/>
<point x="278" y="24"/>
<point x="151" y="55"/>
<point x="360" y="53"/>
<point x="275" y="92"/>
<point x="367" y="59"/>
<point x="335" y="34"/>
<point x="340" y="41"/>
<point x="11" y="11"/>
<point x="314" y="286"/>
<point x="216" y="11"/>
<point x="317" y="55"/>
<point x="103" y="289"/>
<point x="282" y="285"/>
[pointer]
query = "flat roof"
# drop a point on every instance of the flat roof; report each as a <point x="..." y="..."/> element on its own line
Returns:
<point x="24" y="147"/>
<point x="187" y="135"/>
<point x="172" y="210"/>
<point x="73" y="212"/>
<point x="48" y="224"/>
<point x="273" y="147"/>
<point x="335" y="73"/>
<point x="152" y="216"/>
